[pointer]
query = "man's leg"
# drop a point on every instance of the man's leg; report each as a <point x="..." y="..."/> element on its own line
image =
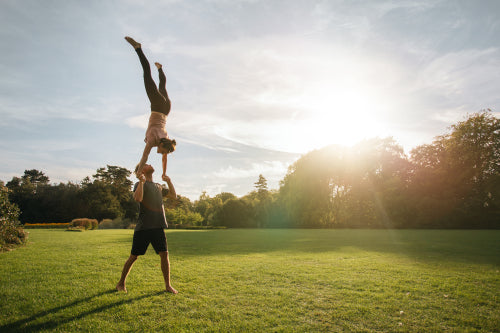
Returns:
<point x="126" y="269"/>
<point x="165" y="268"/>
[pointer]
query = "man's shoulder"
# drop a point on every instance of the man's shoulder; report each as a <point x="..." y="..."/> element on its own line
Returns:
<point x="147" y="184"/>
<point x="152" y="185"/>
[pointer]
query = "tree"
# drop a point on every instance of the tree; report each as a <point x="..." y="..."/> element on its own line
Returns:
<point x="180" y="217"/>
<point x="117" y="179"/>
<point x="235" y="213"/>
<point x="225" y="196"/>
<point x="261" y="186"/>
<point x="36" y="177"/>
<point x="23" y="194"/>
<point x="339" y="186"/>
<point x="209" y="207"/>
<point x="8" y="211"/>
<point x="99" y="202"/>
<point x="10" y="230"/>
<point x="456" y="179"/>
<point x="262" y="203"/>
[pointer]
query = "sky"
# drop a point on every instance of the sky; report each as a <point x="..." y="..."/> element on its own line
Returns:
<point x="254" y="84"/>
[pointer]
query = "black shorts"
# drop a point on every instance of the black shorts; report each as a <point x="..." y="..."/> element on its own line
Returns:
<point x="142" y="238"/>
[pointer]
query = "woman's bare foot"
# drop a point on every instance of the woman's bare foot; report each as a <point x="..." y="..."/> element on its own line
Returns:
<point x="121" y="287"/>
<point x="132" y="42"/>
<point x="158" y="65"/>
<point x="171" y="290"/>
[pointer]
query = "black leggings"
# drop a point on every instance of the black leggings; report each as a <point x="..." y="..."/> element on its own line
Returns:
<point x="158" y="98"/>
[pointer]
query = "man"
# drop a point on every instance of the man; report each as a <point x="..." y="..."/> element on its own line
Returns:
<point x="150" y="225"/>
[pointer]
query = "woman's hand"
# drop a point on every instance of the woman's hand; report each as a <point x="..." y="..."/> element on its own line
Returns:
<point x="142" y="178"/>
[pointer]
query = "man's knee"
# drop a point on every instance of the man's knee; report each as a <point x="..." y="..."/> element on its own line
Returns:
<point x="163" y="253"/>
<point x="133" y="258"/>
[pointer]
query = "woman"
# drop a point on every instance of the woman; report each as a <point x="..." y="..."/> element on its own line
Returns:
<point x="156" y="135"/>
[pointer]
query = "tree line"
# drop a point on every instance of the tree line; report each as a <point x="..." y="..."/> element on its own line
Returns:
<point x="453" y="182"/>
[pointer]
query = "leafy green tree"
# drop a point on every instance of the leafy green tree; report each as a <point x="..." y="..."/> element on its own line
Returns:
<point x="182" y="212"/>
<point x="117" y="179"/>
<point x="23" y="194"/>
<point x="261" y="202"/>
<point x="11" y="231"/>
<point x="36" y="177"/>
<point x="209" y="207"/>
<point x="99" y="202"/>
<point x="456" y="179"/>
<point x="225" y="196"/>
<point x="339" y="186"/>
<point x="203" y="207"/>
<point x="54" y="203"/>
<point x="8" y="210"/>
<point x="180" y="217"/>
<point x="236" y="213"/>
<point x="261" y="186"/>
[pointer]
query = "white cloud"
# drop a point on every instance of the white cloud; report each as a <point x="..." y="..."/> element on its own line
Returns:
<point x="268" y="169"/>
<point x="140" y="121"/>
<point x="460" y="75"/>
<point x="275" y="97"/>
<point x="73" y="171"/>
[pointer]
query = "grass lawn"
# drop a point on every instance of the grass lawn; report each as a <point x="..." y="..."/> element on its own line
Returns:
<point x="256" y="281"/>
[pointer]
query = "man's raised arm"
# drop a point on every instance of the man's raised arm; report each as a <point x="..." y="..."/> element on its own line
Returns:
<point x="171" y="189"/>
<point x="139" y="191"/>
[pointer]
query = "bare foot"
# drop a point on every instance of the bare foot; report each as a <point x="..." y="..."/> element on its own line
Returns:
<point x="158" y="65"/>
<point x="171" y="290"/>
<point x="121" y="287"/>
<point x="132" y="42"/>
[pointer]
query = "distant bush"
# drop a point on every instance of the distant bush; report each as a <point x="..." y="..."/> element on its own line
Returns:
<point x="11" y="231"/>
<point x="79" y="228"/>
<point x="118" y="223"/>
<point x="88" y="224"/>
<point x="11" y="234"/>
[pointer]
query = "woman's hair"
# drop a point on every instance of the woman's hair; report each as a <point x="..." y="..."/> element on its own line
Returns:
<point x="168" y="144"/>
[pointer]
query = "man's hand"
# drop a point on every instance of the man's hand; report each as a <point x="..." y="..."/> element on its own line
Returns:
<point x="142" y="178"/>
<point x="137" y="174"/>
<point x="171" y="189"/>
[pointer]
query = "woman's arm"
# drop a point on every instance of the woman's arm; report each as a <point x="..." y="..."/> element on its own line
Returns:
<point x="164" y="163"/>
<point x="144" y="159"/>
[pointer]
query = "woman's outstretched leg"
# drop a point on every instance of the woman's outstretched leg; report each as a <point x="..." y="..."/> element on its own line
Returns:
<point x="149" y="84"/>
<point x="162" y="86"/>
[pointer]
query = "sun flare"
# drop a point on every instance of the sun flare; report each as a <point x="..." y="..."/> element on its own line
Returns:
<point x="308" y="101"/>
<point x="343" y="118"/>
<point x="326" y="100"/>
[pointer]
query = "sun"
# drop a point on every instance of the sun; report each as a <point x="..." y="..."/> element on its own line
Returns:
<point x="308" y="101"/>
<point x="334" y="112"/>
<point x="343" y="115"/>
<point x="344" y="118"/>
<point x="335" y="102"/>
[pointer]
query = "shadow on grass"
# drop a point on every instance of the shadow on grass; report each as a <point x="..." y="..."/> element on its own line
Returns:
<point x="471" y="246"/>
<point x="33" y="324"/>
<point x="460" y="246"/>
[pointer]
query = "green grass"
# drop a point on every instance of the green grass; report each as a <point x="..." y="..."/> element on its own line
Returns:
<point x="256" y="281"/>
